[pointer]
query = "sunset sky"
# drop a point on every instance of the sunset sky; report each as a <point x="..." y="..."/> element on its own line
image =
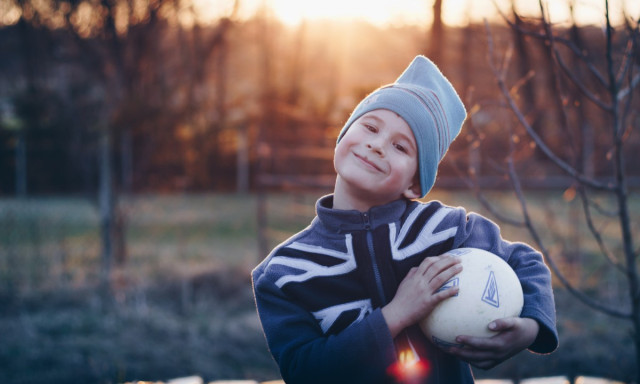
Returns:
<point x="455" y="12"/>
<point x="384" y="12"/>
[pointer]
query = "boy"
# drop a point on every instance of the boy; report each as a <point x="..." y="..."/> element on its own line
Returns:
<point x="340" y="300"/>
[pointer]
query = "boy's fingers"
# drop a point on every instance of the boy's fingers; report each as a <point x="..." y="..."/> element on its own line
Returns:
<point x="503" y="327"/>
<point x="446" y="293"/>
<point x="436" y="264"/>
<point x="447" y="270"/>
<point x="477" y="344"/>
<point x="426" y="265"/>
<point x="471" y="353"/>
<point x="480" y="358"/>
<point x="442" y="277"/>
<point x="502" y="324"/>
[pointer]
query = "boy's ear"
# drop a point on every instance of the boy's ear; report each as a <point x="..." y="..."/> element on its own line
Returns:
<point x="413" y="192"/>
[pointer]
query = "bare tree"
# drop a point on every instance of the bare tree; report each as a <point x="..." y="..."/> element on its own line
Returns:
<point x="101" y="50"/>
<point x="607" y="80"/>
<point x="209" y="53"/>
<point x="436" y="33"/>
<point x="28" y="53"/>
<point x="267" y="121"/>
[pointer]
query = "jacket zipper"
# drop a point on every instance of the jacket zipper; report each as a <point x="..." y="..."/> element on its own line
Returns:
<point x="378" y="277"/>
<point x="372" y="254"/>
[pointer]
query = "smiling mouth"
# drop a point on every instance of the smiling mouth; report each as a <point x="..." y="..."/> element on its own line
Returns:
<point x="367" y="162"/>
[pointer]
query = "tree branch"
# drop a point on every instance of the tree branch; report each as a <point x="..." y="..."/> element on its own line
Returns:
<point x="628" y="65"/>
<point x="551" y="38"/>
<point x="574" y="79"/>
<point x="596" y="234"/>
<point x="602" y="210"/>
<point x="632" y="84"/>
<point x="536" y="138"/>
<point x="547" y="256"/>
<point x="474" y="185"/>
<point x="565" y="42"/>
<point x="627" y="62"/>
<point x="513" y="177"/>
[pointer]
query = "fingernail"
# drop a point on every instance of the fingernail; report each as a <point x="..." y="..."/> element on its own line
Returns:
<point x="493" y="326"/>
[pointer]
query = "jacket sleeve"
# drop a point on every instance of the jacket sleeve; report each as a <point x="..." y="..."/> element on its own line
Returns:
<point x="476" y="231"/>
<point x="360" y="353"/>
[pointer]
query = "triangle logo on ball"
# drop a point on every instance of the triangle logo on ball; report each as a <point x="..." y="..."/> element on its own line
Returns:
<point x="490" y="295"/>
<point x="450" y="284"/>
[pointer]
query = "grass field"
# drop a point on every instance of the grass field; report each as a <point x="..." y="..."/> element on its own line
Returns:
<point x="183" y="302"/>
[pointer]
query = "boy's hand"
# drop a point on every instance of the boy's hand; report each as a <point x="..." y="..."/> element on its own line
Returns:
<point x="514" y="335"/>
<point x="416" y="296"/>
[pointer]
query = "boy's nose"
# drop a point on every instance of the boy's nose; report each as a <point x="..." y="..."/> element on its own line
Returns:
<point x="376" y="147"/>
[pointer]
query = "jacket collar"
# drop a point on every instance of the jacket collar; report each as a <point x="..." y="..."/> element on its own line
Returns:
<point x="336" y="220"/>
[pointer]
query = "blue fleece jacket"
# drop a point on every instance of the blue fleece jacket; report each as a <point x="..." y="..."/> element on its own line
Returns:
<point x="319" y="294"/>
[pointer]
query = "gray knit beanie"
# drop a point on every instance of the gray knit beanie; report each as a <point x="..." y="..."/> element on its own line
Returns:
<point x="426" y="100"/>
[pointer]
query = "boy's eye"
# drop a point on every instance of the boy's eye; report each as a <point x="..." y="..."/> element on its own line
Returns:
<point x="371" y="128"/>
<point x="401" y="148"/>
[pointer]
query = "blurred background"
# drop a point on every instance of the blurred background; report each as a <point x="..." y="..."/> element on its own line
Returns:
<point x="152" y="152"/>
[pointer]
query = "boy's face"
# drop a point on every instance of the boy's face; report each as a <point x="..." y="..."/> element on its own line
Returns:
<point x="377" y="158"/>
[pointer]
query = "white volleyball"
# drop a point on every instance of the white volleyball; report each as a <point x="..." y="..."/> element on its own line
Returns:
<point x="489" y="290"/>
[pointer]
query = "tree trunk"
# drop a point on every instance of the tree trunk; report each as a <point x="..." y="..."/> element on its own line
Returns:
<point x="106" y="212"/>
<point x="221" y="105"/>
<point x="242" y="166"/>
<point x="266" y="122"/>
<point x="436" y="34"/>
<point x="126" y="161"/>
<point x="21" y="164"/>
<point x="622" y="192"/>
<point x="607" y="93"/>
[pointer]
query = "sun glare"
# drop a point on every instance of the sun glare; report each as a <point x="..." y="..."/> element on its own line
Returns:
<point x="379" y="12"/>
<point x="455" y="12"/>
<point x="409" y="369"/>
